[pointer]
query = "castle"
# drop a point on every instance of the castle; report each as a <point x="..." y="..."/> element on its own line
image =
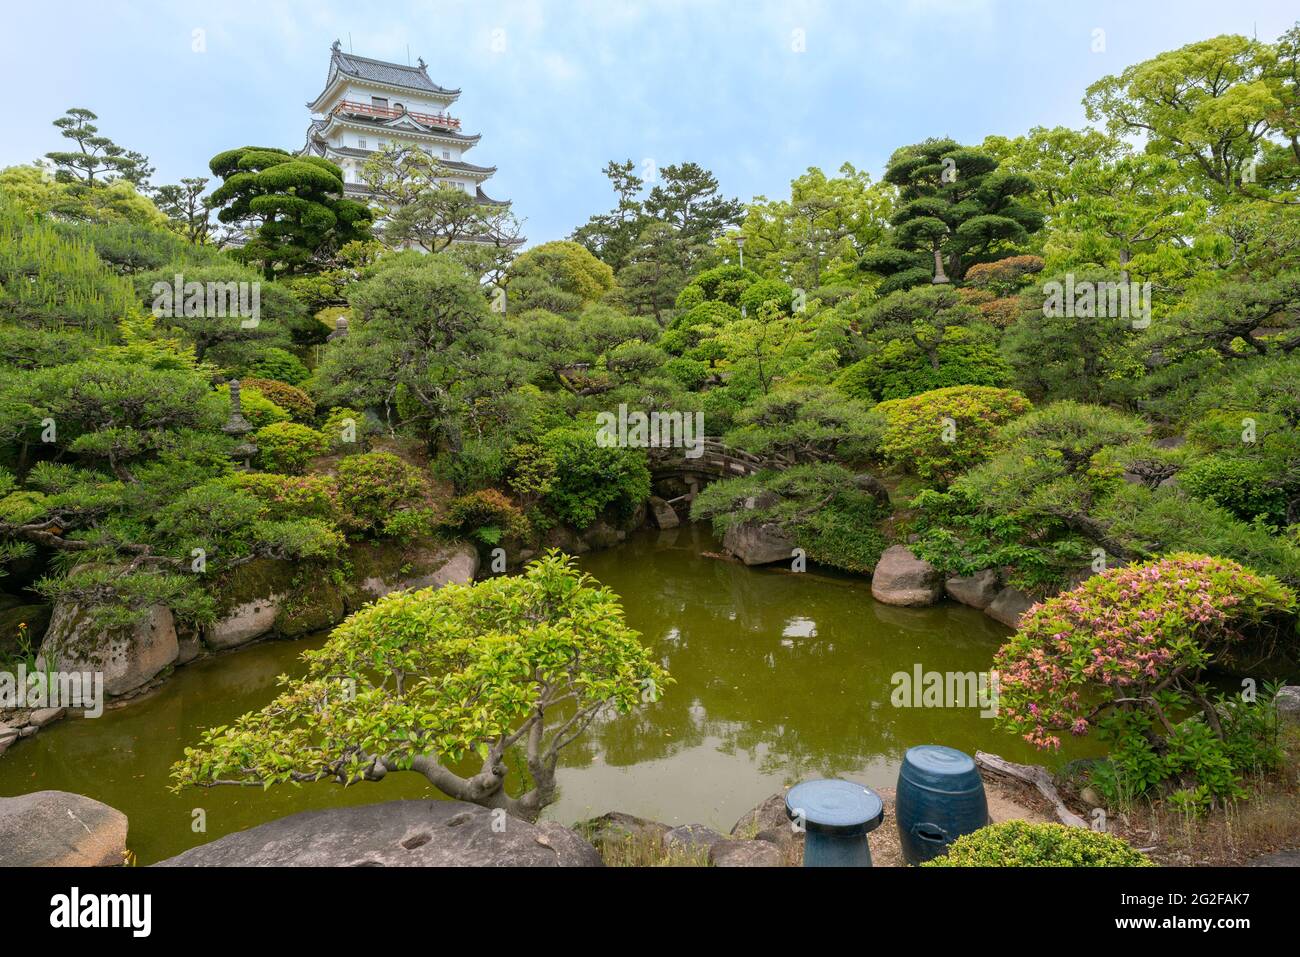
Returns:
<point x="372" y="105"/>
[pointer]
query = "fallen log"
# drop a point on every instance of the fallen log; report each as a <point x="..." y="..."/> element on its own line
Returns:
<point x="1031" y="774"/>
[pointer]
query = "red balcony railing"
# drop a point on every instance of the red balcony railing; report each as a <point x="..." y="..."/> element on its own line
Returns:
<point x="391" y="113"/>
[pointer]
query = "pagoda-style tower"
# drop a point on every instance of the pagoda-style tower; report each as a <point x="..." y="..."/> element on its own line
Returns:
<point x="369" y="105"/>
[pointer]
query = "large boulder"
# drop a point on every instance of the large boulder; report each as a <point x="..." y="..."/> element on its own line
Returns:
<point x="976" y="590"/>
<point x="617" y="827"/>
<point x="251" y="599"/>
<point x="903" y="579"/>
<point x="388" y="568"/>
<point x="1287" y="702"/>
<point x="601" y="534"/>
<point x="770" y="813"/>
<point x="244" y="623"/>
<point x="59" y="829"/>
<point x="664" y="515"/>
<point x="396" y="834"/>
<point x="128" y="657"/>
<point x="746" y="854"/>
<point x="758" y="544"/>
<point x="1009" y="607"/>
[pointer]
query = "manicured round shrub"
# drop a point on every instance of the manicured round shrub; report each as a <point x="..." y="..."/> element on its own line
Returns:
<point x="1245" y="487"/>
<point x="280" y="364"/>
<point x="900" y="370"/>
<point x="346" y="430"/>
<point x="486" y="516"/>
<point x="938" y="434"/>
<point x="287" y="447"/>
<point x="725" y="283"/>
<point x="372" y="487"/>
<point x="293" y="400"/>
<point x="258" y="409"/>
<point x="1022" y="844"/>
<point x="289" y="496"/>
<point x="1005" y="275"/>
<point x="765" y="291"/>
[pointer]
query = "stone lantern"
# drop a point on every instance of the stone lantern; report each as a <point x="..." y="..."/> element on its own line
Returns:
<point x="340" y="329"/>
<point x="237" y="427"/>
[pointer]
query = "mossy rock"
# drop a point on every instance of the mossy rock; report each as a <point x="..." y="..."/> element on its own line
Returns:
<point x="382" y="567"/>
<point x="271" y="596"/>
<point x="315" y="606"/>
<point x="259" y="579"/>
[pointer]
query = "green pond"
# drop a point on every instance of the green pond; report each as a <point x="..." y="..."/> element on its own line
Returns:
<point x="780" y="677"/>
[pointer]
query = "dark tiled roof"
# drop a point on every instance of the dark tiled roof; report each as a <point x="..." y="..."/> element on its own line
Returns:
<point x="483" y="197"/>
<point x="393" y="74"/>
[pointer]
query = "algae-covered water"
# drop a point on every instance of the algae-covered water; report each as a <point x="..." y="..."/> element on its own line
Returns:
<point x="780" y="677"/>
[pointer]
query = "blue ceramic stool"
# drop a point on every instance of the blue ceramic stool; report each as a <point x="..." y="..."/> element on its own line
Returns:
<point x="837" y="815"/>
<point x="940" y="798"/>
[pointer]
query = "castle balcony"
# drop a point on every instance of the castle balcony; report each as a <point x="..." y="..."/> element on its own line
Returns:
<point x="370" y="112"/>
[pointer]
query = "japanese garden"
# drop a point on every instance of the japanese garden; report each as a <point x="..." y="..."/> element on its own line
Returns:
<point x="325" y="485"/>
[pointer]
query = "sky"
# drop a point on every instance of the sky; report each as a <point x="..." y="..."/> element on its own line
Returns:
<point x="757" y="91"/>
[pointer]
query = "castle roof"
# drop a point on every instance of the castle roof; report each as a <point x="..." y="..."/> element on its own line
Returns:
<point x="381" y="71"/>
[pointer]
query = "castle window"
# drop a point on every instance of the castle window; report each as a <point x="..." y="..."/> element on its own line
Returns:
<point x="379" y="102"/>
<point x="361" y="142"/>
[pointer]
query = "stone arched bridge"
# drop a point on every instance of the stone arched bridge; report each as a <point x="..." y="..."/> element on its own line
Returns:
<point x="677" y="477"/>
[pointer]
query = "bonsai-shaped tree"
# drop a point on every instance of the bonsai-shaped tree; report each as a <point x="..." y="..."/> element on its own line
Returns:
<point x="428" y="681"/>
<point x="955" y="206"/>
<point x="296" y="203"/>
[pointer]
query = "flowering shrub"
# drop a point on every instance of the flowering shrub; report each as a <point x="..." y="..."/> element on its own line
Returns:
<point x="938" y="434"/>
<point x="289" y="496"/>
<point x="1004" y="276"/>
<point x="1021" y="844"/>
<point x="1125" y="651"/>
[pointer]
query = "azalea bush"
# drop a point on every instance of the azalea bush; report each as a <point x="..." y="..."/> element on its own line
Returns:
<point x="1022" y="844"/>
<point x="486" y="516"/>
<point x="375" y="488"/>
<point x="287" y="446"/>
<point x="1125" y="652"/>
<point x="460" y="684"/>
<point x="939" y="434"/>
<point x="290" y="398"/>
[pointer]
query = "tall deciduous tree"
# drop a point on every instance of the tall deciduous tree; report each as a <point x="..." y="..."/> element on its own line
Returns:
<point x="1208" y="105"/>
